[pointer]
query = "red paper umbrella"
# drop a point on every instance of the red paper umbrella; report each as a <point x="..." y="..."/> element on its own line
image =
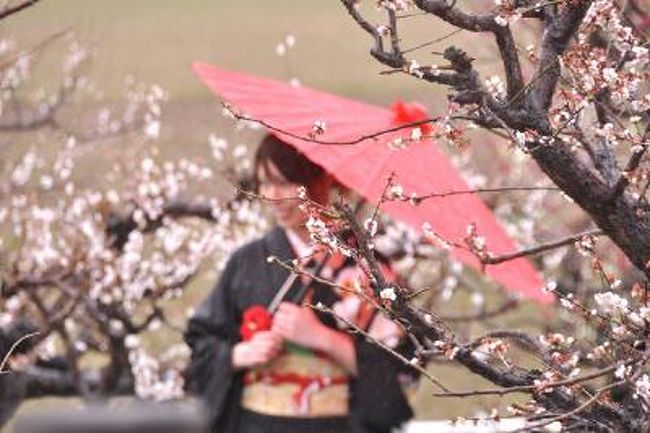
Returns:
<point x="366" y="166"/>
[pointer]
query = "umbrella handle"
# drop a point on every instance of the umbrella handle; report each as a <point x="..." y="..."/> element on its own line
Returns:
<point x="284" y="289"/>
<point x="301" y="292"/>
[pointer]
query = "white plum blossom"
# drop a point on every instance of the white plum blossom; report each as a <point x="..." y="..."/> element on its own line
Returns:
<point x="478" y="299"/>
<point x="610" y="302"/>
<point x="320" y="233"/>
<point x="150" y="381"/>
<point x="501" y="20"/>
<point x="23" y="170"/>
<point x="371" y="226"/>
<point x="319" y="128"/>
<point x="415" y="69"/>
<point x="240" y="151"/>
<point x="395" y="191"/>
<point x="383" y="30"/>
<point x="388" y="294"/>
<point x="642" y="387"/>
<point x="496" y="87"/>
<point x="416" y="134"/>
<point x="622" y="371"/>
<point x="434" y="237"/>
<point x="396" y="5"/>
<point x="479" y="242"/>
<point x="218" y="146"/>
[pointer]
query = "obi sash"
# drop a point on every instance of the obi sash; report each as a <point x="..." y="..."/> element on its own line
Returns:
<point x="299" y="383"/>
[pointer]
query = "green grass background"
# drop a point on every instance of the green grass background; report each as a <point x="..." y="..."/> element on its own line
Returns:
<point x="156" y="40"/>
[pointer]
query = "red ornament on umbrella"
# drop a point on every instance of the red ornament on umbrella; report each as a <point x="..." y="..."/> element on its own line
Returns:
<point x="405" y="113"/>
<point x="365" y="167"/>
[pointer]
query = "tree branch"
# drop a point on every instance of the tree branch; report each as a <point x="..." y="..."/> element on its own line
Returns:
<point x="119" y="227"/>
<point x="557" y="33"/>
<point x="510" y="60"/>
<point x="448" y="12"/>
<point x="10" y="10"/>
<point x="37" y="117"/>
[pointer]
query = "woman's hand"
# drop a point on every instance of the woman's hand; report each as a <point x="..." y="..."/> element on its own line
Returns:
<point x="262" y="348"/>
<point x="299" y="325"/>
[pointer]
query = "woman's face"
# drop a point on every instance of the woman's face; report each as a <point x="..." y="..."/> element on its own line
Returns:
<point x="274" y="186"/>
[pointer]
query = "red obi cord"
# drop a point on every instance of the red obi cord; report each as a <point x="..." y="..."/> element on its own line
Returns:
<point x="307" y="385"/>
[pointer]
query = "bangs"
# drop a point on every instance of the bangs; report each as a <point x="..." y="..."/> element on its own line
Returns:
<point x="292" y="164"/>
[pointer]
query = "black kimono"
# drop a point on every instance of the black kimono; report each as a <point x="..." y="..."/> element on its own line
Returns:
<point x="377" y="403"/>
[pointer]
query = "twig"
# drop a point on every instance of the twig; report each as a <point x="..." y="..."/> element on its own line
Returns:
<point x="383" y="346"/>
<point x="382" y="198"/>
<point x="493" y="260"/>
<point x="306" y="138"/>
<point x="528" y="388"/>
<point x="42" y="44"/>
<point x="586" y="404"/>
<point x="418" y="198"/>
<point x="10" y="10"/>
<point x="435" y="41"/>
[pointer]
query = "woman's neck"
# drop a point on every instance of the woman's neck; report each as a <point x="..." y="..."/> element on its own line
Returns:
<point x="301" y="232"/>
<point x="299" y="238"/>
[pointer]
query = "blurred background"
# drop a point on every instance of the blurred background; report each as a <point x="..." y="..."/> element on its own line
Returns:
<point x="146" y="47"/>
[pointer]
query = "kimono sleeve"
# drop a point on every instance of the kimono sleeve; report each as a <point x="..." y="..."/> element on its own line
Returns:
<point x="211" y="334"/>
<point x="377" y="392"/>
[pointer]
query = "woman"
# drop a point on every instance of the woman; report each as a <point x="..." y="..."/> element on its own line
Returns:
<point x="304" y="373"/>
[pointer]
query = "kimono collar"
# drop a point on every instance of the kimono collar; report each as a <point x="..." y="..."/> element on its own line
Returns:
<point x="300" y="247"/>
<point x="276" y="244"/>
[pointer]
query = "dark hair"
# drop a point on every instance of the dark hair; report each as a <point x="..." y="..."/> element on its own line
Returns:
<point x="293" y="165"/>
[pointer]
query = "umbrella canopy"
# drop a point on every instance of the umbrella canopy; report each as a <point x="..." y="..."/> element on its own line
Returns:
<point x="365" y="167"/>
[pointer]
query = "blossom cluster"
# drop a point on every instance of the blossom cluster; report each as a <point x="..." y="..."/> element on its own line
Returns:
<point x="99" y="263"/>
<point x="395" y="5"/>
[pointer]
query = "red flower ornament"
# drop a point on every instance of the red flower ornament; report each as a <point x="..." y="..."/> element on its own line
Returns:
<point x="256" y="318"/>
